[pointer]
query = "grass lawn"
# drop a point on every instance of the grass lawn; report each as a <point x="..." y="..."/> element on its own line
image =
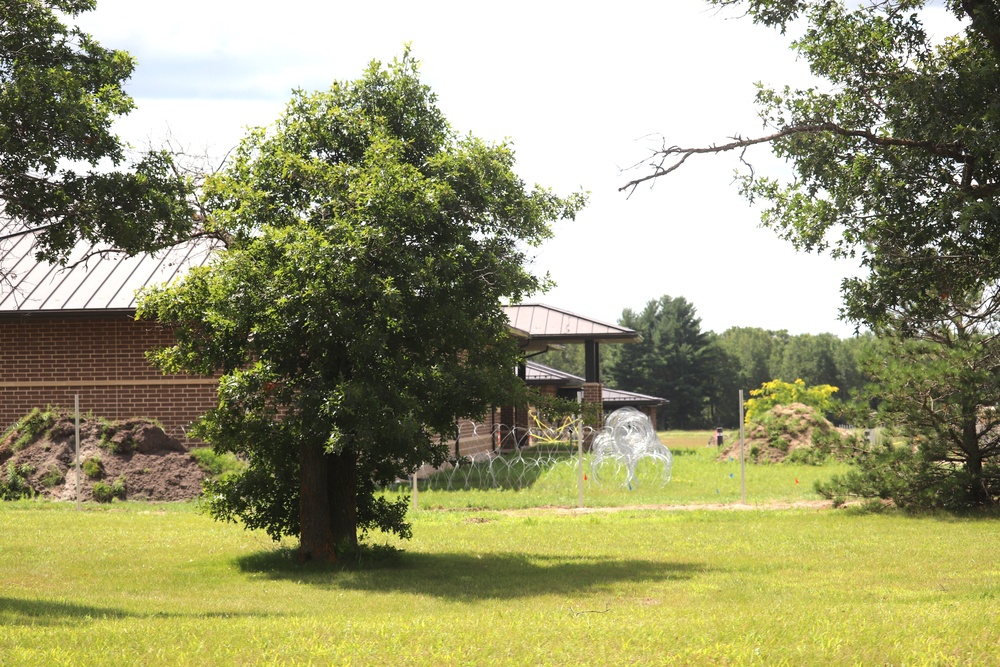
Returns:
<point x="144" y="584"/>
<point x="137" y="584"/>
<point x="697" y="477"/>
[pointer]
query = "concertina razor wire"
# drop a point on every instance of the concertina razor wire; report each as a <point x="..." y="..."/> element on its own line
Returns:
<point x="500" y="457"/>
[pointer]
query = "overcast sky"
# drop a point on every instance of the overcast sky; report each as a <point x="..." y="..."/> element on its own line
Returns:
<point x="582" y="92"/>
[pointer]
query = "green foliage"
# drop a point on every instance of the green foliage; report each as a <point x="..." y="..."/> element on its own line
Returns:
<point x="554" y="408"/>
<point x="105" y="493"/>
<point x="358" y="309"/>
<point x="61" y="93"/>
<point x="570" y="359"/>
<point x="14" y="485"/>
<point x="896" y="162"/>
<point x="753" y="356"/>
<point x="675" y="360"/>
<point x="777" y="392"/>
<point x="32" y="426"/>
<point x="54" y="476"/>
<point x="904" y="475"/>
<point x="820" y="359"/>
<point x="895" y="157"/>
<point x="93" y="468"/>
<point x="940" y="393"/>
<point x="215" y="464"/>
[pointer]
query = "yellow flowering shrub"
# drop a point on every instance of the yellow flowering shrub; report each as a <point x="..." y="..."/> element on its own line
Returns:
<point x="777" y="392"/>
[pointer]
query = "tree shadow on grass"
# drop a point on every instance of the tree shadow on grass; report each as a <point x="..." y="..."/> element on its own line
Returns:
<point x="21" y="611"/>
<point x="471" y="577"/>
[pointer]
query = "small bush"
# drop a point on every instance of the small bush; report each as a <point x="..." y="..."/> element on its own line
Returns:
<point x="93" y="468"/>
<point x="54" y="476"/>
<point x="105" y="493"/>
<point x="776" y="392"/>
<point x="912" y="478"/>
<point x="810" y="456"/>
<point x="215" y="464"/>
<point x="15" y="485"/>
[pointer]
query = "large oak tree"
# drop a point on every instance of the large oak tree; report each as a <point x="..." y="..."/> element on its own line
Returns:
<point x="358" y="311"/>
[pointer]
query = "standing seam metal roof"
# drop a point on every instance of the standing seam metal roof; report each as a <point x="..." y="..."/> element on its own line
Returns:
<point x="539" y="322"/>
<point x="539" y="374"/>
<point x="91" y="280"/>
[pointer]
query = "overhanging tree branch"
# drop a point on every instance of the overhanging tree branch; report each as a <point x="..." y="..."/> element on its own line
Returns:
<point x="952" y="150"/>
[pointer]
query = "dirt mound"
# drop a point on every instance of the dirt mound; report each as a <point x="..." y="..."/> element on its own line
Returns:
<point x="796" y="433"/>
<point x="132" y="459"/>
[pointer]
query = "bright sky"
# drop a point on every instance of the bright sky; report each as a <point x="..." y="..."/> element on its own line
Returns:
<point x="578" y="89"/>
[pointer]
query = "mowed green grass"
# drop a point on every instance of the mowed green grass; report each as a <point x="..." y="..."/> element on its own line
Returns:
<point x="137" y="584"/>
<point x="486" y="582"/>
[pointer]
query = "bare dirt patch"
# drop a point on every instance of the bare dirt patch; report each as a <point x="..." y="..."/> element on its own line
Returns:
<point x="146" y="463"/>
<point x="731" y="507"/>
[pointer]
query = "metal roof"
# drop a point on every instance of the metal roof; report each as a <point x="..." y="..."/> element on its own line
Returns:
<point x="629" y="397"/>
<point x="536" y="373"/>
<point x="538" y="324"/>
<point x="91" y="279"/>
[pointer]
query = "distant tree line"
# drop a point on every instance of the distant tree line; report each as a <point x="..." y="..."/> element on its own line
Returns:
<point x="700" y="372"/>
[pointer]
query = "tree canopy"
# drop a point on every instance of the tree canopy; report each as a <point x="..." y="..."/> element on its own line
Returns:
<point x="896" y="156"/>
<point x="896" y="161"/>
<point x="358" y="311"/>
<point x="60" y="163"/>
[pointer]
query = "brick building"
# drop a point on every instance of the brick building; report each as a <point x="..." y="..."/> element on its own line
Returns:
<point x="71" y="331"/>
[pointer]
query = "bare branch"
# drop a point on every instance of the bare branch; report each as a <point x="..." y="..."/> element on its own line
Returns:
<point x="950" y="150"/>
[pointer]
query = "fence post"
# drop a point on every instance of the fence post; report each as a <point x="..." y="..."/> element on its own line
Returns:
<point x="743" y="464"/>
<point x="579" y="448"/>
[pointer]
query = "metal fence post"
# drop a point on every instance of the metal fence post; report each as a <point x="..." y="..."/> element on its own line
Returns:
<point x="743" y="464"/>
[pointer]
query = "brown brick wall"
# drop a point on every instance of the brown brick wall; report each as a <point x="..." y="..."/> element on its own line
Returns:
<point x="46" y="359"/>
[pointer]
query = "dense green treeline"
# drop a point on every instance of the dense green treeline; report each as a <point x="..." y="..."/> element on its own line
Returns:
<point x="701" y="372"/>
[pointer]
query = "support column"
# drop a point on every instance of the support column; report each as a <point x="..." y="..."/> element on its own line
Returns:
<point x="593" y="396"/>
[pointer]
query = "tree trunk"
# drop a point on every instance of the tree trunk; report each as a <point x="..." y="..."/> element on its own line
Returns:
<point x="316" y="539"/>
<point x="342" y="493"/>
<point x="974" y="462"/>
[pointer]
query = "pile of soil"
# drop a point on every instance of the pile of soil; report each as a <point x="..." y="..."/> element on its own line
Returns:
<point x="135" y="456"/>
<point x="793" y="432"/>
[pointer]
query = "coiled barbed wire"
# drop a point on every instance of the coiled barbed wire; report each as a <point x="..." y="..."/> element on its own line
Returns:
<point x="628" y="438"/>
<point x="500" y="457"/>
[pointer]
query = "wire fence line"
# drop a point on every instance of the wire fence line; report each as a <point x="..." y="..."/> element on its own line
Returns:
<point x="491" y="456"/>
